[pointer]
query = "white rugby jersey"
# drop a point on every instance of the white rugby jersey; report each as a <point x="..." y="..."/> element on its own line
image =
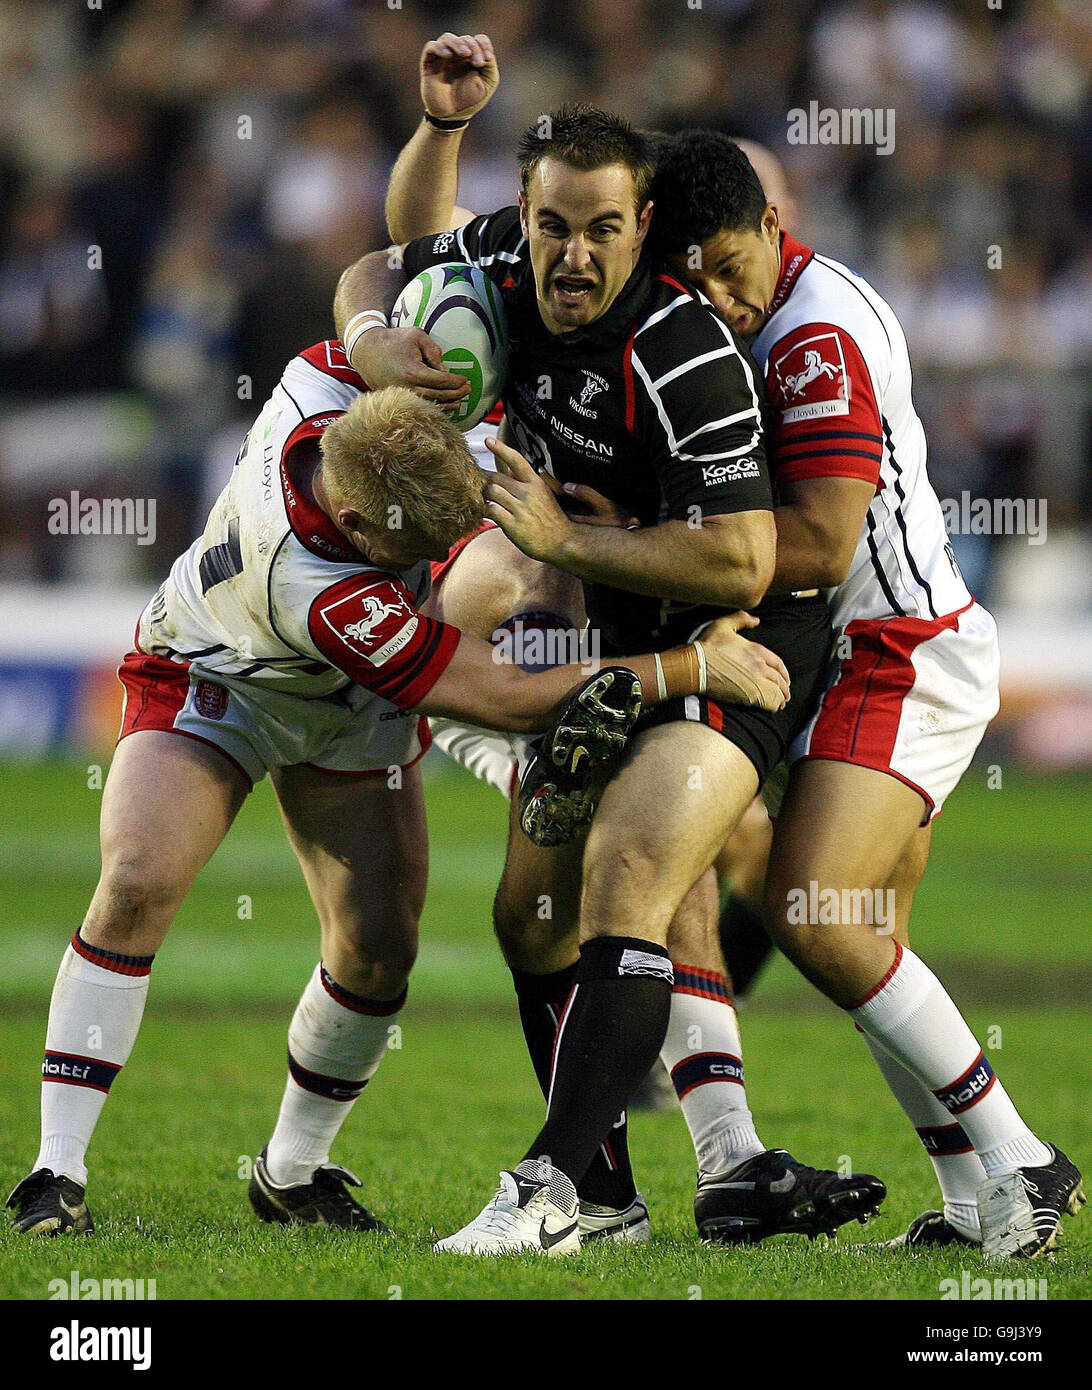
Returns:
<point x="271" y="593"/>
<point x="838" y="379"/>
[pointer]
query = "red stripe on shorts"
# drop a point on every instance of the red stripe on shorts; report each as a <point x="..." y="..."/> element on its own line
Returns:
<point x="859" y="717"/>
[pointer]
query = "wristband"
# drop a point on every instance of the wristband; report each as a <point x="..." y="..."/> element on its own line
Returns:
<point x="661" y="683"/>
<point x="438" y="124"/>
<point x="355" y="328"/>
<point x="681" y="668"/>
<point x="703" y="668"/>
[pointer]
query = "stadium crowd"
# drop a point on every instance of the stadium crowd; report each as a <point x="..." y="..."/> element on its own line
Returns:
<point x="183" y="180"/>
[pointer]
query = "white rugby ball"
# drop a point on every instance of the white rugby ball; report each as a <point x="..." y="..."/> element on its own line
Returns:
<point x="460" y="308"/>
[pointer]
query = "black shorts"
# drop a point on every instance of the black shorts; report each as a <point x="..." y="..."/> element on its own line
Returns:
<point x="799" y="631"/>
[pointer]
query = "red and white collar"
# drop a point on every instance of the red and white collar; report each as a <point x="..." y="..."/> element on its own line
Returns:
<point x="794" y="258"/>
<point x="311" y="526"/>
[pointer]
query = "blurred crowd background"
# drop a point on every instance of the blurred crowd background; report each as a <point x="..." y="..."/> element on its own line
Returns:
<point x="229" y="157"/>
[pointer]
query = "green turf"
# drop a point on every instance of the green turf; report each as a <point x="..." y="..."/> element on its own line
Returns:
<point x="1004" y="911"/>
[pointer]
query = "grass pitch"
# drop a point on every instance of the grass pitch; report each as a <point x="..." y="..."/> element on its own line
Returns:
<point x="1003" y="917"/>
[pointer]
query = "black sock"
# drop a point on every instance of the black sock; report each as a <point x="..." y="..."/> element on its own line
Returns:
<point x="609" y="1180"/>
<point x="611" y="1034"/>
<point x="744" y="942"/>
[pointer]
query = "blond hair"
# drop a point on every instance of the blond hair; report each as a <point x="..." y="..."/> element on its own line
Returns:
<point x="394" y="450"/>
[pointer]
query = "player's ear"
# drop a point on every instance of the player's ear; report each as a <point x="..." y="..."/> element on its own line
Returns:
<point x="350" y="519"/>
<point x="522" y="213"/>
<point x="771" y="222"/>
<point x="643" y="221"/>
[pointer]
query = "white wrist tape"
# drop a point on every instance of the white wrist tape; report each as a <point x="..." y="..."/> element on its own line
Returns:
<point x="661" y="684"/>
<point x="359" y="324"/>
<point x="703" y="668"/>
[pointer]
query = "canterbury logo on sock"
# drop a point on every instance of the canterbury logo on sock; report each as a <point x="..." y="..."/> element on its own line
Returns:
<point x="332" y="1087"/>
<point x="969" y="1088"/>
<point x="74" y="1070"/>
<point x="944" y="1140"/>
<point x="645" y="963"/>
<point x="111" y="960"/>
<point x="703" y="1068"/>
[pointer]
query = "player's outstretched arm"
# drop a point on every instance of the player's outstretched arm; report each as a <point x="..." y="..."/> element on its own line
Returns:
<point x="458" y="76"/>
<point x="727" y="560"/>
<point x="383" y="356"/>
<point x="478" y="687"/>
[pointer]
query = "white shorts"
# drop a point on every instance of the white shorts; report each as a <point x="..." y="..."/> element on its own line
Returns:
<point x="259" y="729"/>
<point x="494" y="758"/>
<point x="911" y="698"/>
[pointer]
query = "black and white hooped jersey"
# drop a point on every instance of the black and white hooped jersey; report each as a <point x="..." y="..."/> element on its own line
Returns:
<point x="657" y="405"/>
<point x="271" y="593"/>
<point x="838" y="380"/>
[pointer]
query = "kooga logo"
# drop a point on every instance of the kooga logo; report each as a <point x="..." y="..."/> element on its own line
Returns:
<point x="718" y="472"/>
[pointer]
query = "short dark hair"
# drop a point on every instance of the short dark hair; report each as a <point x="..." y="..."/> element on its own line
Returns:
<point x="585" y="137"/>
<point x="704" y="184"/>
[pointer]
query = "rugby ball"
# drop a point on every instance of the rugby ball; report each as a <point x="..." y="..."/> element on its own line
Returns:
<point x="460" y="309"/>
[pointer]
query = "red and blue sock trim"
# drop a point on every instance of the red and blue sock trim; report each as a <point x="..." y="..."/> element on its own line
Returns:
<point x="380" y="1008"/>
<point x="941" y="1141"/>
<point x="703" y="1068"/>
<point x="706" y="984"/>
<point x="73" y="1069"/>
<point x="111" y="960"/>
<point x="968" y="1089"/>
<point x="332" y="1087"/>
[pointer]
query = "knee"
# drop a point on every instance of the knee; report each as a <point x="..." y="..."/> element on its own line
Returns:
<point x="529" y="930"/>
<point x="135" y="892"/>
<point x="369" y="961"/>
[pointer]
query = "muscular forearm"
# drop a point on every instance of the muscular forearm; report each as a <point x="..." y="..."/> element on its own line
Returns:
<point x="424" y="184"/>
<point x="671" y="561"/>
<point x="806" y="557"/>
<point x="525" y="702"/>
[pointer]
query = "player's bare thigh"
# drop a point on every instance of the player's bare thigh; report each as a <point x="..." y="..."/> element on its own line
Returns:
<point x="491" y="581"/>
<point x="661" y="821"/>
<point x="167" y="804"/>
<point x="842" y="828"/>
<point x="363" y="848"/>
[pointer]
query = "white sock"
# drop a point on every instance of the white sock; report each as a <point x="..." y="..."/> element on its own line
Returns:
<point x="94" y="1017"/>
<point x="958" y="1168"/>
<point x="703" y="1054"/>
<point x="912" y="1016"/>
<point x="335" y="1044"/>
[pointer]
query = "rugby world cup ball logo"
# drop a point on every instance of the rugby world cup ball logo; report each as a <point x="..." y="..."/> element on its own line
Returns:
<point x="460" y="308"/>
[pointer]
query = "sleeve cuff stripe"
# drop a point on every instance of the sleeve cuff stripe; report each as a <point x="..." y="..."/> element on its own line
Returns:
<point x="830" y="453"/>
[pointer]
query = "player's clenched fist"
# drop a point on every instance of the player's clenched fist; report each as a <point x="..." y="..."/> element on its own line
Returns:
<point x="458" y="75"/>
<point x="742" y="672"/>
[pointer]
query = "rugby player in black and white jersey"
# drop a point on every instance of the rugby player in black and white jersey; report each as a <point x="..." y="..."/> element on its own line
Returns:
<point x="670" y="433"/>
<point x="289" y="640"/>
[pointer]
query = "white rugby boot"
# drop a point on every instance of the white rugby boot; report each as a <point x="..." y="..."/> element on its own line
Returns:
<point x="625" y="1225"/>
<point x="535" y="1209"/>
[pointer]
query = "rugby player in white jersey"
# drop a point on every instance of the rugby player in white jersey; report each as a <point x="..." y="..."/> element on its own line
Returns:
<point x="913" y="687"/>
<point x="289" y="640"/>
